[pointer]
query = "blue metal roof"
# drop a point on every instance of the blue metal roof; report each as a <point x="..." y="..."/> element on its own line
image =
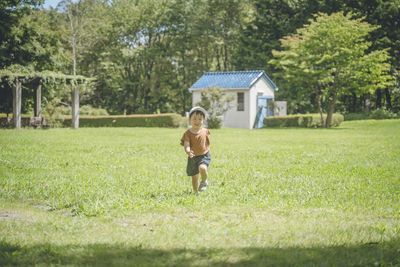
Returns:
<point x="232" y="79"/>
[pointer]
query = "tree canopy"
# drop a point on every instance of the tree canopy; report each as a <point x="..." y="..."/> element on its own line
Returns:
<point x="330" y="57"/>
<point x="145" y="54"/>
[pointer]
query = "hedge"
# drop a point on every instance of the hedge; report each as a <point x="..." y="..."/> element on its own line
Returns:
<point x="143" y="120"/>
<point x="377" y="114"/>
<point x="7" y="122"/>
<point x="301" y="120"/>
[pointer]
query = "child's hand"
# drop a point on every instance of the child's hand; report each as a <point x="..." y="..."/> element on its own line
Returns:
<point x="190" y="153"/>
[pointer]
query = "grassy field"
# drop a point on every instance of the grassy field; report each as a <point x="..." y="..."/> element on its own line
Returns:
<point x="120" y="196"/>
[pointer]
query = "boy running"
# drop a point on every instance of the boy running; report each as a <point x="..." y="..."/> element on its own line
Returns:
<point x="196" y="142"/>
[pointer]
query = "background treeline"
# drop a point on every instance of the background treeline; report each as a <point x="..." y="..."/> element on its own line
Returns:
<point x="145" y="54"/>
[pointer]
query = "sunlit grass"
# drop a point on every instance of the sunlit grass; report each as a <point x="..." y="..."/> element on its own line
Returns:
<point x="276" y="192"/>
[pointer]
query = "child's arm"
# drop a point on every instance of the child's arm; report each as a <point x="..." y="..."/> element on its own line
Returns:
<point x="188" y="151"/>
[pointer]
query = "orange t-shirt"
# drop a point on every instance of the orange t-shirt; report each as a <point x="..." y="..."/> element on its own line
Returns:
<point x="199" y="143"/>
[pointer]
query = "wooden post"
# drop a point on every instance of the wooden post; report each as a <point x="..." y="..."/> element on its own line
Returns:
<point x="75" y="107"/>
<point x="17" y="95"/>
<point x="38" y="101"/>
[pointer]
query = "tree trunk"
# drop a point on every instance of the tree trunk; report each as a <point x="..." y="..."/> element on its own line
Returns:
<point x="388" y="99"/>
<point x="218" y="64"/>
<point x="378" y="98"/>
<point x="331" y="109"/>
<point x="17" y="96"/>
<point x="184" y="83"/>
<point x="321" y="112"/>
<point x="354" y="104"/>
<point x="319" y="101"/>
<point x="38" y="101"/>
<point x="367" y="103"/>
<point x="75" y="107"/>
<point x="226" y="58"/>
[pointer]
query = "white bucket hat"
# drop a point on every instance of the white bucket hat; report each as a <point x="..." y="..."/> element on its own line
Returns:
<point x="199" y="109"/>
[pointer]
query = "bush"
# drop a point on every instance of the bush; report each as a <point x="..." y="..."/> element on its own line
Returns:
<point x="214" y="123"/>
<point x="90" y="111"/>
<point x="378" y="114"/>
<point x="301" y="120"/>
<point x="382" y="113"/>
<point x="145" y="120"/>
<point x="355" y="116"/>
<point x="87" y="110"/>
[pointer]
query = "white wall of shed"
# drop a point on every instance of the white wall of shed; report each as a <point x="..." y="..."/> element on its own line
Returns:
<point x="234" y="118"/>
<point x="196" y="97"/>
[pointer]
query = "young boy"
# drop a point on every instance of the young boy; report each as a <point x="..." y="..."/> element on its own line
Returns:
<point x="196" y="142"/>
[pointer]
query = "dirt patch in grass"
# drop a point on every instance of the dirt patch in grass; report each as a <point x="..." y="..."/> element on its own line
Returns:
<point x="13" y="216"/>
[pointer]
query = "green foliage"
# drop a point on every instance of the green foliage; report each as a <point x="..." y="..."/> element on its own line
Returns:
<point x="301" y="120"/>
<point x="146" y="54"/>
<point x="256" y="43"/>
<point x="154" y="51"/>
<point x="355" y="116"/>
<point x="378" y="114"/>
<point x="26" y="40"/>
<point x="55" y="87"/>
<point x="157" y="120"/>
<point x="385" y="14"/>
<point x="270" y="20"/>
<point x="16" y="37"/>
<point x="88" y="110"/>
<point x="382" y="113"/>
<point x="214" y="123"/>
<point x="329" y="57"/>
<point x="24" y="74"/>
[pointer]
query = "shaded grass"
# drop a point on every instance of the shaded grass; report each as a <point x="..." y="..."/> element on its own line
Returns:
<point x="187" y="237"/>
<point x="121" y="255"/>
<point x="277" y="196"/>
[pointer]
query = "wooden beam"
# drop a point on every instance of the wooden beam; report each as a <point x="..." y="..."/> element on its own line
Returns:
<point x="75" y="107"/>
<point x="17" y="96"/>
<point x="38" y="101"/>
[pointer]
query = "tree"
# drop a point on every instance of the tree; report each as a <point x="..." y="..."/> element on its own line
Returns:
<point x="11" y="12"/>
<point x="386" y="14"/>
<point x="330" y="56"/>
<point x="26" y="40"/>
<point x="266" y="23"/>
<point x="155" y="50"/>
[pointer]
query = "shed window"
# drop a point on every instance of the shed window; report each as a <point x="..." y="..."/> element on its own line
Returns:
<point x="240" y="100"/>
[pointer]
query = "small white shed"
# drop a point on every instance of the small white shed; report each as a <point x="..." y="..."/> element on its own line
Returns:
<point x="253" y="91"/>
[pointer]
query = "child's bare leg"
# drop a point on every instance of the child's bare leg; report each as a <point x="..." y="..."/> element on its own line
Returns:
<point x="195" y="183"/>
<point x="203" y="172"/>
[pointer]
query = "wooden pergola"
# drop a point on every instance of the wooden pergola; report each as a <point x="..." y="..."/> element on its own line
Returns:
<point x="37" y="78"/>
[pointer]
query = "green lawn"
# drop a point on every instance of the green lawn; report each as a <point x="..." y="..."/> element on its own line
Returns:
<point x="120" y="196"/>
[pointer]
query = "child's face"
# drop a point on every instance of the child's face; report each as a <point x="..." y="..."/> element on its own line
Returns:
<point x="196" y="120"/>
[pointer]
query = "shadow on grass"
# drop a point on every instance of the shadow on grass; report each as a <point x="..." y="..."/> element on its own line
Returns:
<point x="385" y="254"/>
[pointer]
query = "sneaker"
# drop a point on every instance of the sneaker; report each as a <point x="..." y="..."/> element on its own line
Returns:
<point x="203" y="186"/>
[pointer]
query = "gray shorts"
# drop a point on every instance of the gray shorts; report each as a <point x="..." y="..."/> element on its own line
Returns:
<point x="194" y="163"/>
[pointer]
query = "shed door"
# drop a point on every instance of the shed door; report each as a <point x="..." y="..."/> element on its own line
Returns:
<point x="264" y="109"/>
